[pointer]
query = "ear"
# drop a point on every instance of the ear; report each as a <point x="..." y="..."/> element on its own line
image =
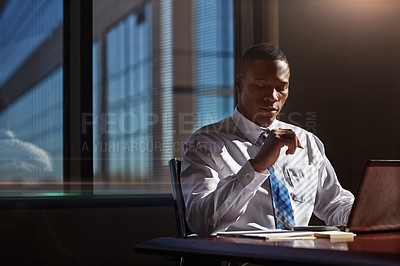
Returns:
<point x="239" y="83"/>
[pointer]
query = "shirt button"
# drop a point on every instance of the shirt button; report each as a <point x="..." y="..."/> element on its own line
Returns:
<point x="248" y="177"/>
<point x="228" y="203"/>
<point x="256" y="180"/>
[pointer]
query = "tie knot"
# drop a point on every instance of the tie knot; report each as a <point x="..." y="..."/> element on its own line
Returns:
<point x="263" y="136"/>
<point x="266" y="130"/>
<point x="261" y="139"/>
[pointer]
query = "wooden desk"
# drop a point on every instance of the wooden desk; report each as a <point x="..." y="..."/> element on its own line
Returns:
<point x="366" y="249"/>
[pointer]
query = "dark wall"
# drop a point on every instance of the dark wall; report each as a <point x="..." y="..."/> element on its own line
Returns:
<point x="345" y="78"/>
<point x="82" y="236"/>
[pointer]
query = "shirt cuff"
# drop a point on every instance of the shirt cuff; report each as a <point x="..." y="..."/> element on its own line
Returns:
<point x="250" y="178"/>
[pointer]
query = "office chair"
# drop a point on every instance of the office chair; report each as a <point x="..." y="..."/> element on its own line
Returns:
<point x="179" y="203"/>
<point x="180" y="208"/>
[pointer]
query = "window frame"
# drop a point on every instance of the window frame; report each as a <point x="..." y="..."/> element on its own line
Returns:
<point x="77" y="97"/>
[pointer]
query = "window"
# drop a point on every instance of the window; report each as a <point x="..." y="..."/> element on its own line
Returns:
<point x="31" y="97"/>
<point x="161" y="69"/>
<point x="213" y="36"/>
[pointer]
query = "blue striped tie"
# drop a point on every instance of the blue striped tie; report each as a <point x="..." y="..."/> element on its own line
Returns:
<point x="283" y="210"/>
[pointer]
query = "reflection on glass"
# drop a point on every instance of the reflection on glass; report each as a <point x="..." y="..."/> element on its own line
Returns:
<point x="25" y="25"/>
<point x="22" y="161"/>
<point x="30" y="96"/>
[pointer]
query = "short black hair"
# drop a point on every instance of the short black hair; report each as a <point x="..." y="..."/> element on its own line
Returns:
<point x="261" y="51"/>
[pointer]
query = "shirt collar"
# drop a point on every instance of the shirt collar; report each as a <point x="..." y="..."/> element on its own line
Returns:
<point x="250" y="129"/>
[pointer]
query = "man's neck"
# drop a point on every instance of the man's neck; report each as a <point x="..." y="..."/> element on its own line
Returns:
<point x="261" y="126"/>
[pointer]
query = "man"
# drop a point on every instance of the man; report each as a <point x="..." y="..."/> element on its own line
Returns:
<point x="228" y="167"/>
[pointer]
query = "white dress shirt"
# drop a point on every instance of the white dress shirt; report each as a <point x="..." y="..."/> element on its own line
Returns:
<point x="223" y="192"/>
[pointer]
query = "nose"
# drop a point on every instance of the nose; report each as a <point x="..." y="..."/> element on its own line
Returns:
<point x="271" y="95"/>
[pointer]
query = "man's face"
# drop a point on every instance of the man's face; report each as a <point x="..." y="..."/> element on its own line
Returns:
<point x="263" y="90"/>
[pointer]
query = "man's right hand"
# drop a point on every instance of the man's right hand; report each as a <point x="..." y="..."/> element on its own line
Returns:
<point x="271" y="149"/>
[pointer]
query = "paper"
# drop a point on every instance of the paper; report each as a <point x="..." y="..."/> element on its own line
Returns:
<point x="239" y="233"/>
<point x="270" y="234"/>
<point x="277" y="234"/>
<point x="282" y="235"/>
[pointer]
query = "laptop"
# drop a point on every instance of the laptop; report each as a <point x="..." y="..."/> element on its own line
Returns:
<point x="377" y="204"/>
